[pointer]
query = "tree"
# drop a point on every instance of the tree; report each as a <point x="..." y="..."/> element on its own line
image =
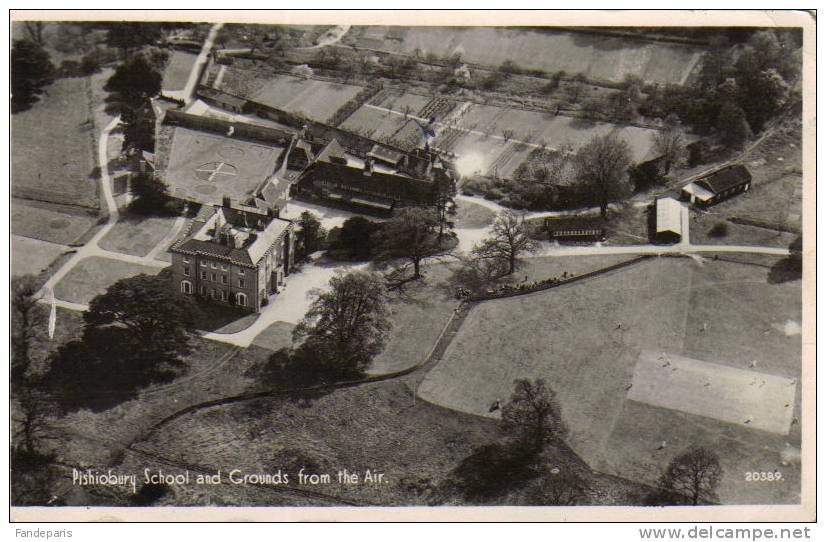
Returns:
<point x="576" y="86"/>
<point x="732" y="127"/>
<point x="509" y="239"/>
<point x="670" y="142"/>
<point x="762" y="96"/>
<point x="153" y="312"/>
<point x="135" y="334"/>
<point x="138" y="128"/>
<point x="34" y="30"/>
<point x="532" y="415"/>
<point x="310" y="234"/>
<point x="26" y="319"/>
<point x="135" y="81"/>
<point x="410" y="235"/>
<point x="444" y="203"/>
<point x="357" y="238"/>
<point x="563" y="488"/>
<point x="131" y="35"/>
<point x="694" y="474"/>
<point x="347" y="325"/>
<point x="31" y="70"/>
<point x="602" y="165"/>
<point x="151" y="195"/>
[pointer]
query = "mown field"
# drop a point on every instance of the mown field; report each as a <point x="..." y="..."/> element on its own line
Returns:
<point x="177" y="70"/>
<point x="598" y="57"/>
<point x="585" y="340"/>
<point x="137" y="235"/>
<point x="52" y="147"/>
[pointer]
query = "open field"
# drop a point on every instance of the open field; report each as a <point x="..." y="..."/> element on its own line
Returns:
<point x="177" y="70"/>
<point x="585" y="340"/>
<point x="92" y="276"/>
<point x="315" y="99"/>
<point x="63" y="225"/>
<point x="204" y="167"/>
<point x="137" y="235"/>
<point x="52" y="155"/>
<point x="598" y="57"/>
<point x="32" y="256"/>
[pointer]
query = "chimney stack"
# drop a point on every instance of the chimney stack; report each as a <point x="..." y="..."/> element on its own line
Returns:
<point x="368" y="167"/>
<point x="226" y="202"/>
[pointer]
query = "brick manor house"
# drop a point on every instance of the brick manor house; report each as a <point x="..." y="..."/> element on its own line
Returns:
<point x="234" y="254"/>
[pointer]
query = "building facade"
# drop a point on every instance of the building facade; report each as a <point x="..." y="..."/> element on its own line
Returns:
<point x="235" y="254"/>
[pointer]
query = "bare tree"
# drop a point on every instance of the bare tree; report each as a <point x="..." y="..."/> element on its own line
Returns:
<point x="561" y="488"/>
<point x="532" y="415"/>
<point x="507" y="134"/>
<point x="670" y="142"/>
<point x="694" y="474"/>
<point x="603" y="164"/>
<point x="34" y="29"/>
<point x="509" y="239"/>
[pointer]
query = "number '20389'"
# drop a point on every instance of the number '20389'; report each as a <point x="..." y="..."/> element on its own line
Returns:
<point x="763" y="476"/>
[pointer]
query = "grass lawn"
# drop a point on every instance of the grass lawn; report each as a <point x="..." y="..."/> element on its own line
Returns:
<point x="275" y="337"/>
<point x="472" y="215"/>
<point x="59" y="224"/>
<point x="92" y="276"/>
<point x="32" y="256"/>
<point x="177" y="70"/>
<point x="736" y="234"/>
<point x="420" y="311"/>
<point x="52" y="154"/>
<point x="137" y="235"/>
<point x="570" y="336"/>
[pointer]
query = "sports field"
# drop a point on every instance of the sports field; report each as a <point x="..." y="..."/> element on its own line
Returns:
<point x="598" y="57"/>
<point x="204" y="167"/>
<point x="586" y="340"/>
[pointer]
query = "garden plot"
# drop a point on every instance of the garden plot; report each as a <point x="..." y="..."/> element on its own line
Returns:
<point x="599" y="57"/>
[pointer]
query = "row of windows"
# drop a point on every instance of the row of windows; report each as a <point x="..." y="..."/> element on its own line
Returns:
<point x="214" y="265"/>
<point x="240" y="297"/>
<point x="214" y="278"/>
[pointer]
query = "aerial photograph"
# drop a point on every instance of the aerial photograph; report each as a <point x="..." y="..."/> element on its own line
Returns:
<point x="285" y="265"/>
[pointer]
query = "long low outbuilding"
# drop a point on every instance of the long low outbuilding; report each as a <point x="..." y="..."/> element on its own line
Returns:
<point x="717" y="186"/>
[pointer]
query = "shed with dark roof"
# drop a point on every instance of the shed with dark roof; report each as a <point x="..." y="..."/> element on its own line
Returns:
<point x="718" y="185"/>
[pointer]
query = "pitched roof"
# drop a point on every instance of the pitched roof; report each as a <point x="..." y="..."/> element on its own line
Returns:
<point x="669" y="216"/>
<point x="385" y="154"/>
<point x="728" y="177"/>
<point x="390" y="185"/>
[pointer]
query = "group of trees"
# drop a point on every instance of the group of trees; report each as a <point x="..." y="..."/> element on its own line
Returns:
<point x="739" y="88"/>
<point x="31" y="71"/>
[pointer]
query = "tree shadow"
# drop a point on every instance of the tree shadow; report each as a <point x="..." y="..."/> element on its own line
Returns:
<point x="491" y="472"/>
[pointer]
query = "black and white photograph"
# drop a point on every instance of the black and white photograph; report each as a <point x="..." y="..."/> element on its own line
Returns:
<point x="428" y="262"/>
